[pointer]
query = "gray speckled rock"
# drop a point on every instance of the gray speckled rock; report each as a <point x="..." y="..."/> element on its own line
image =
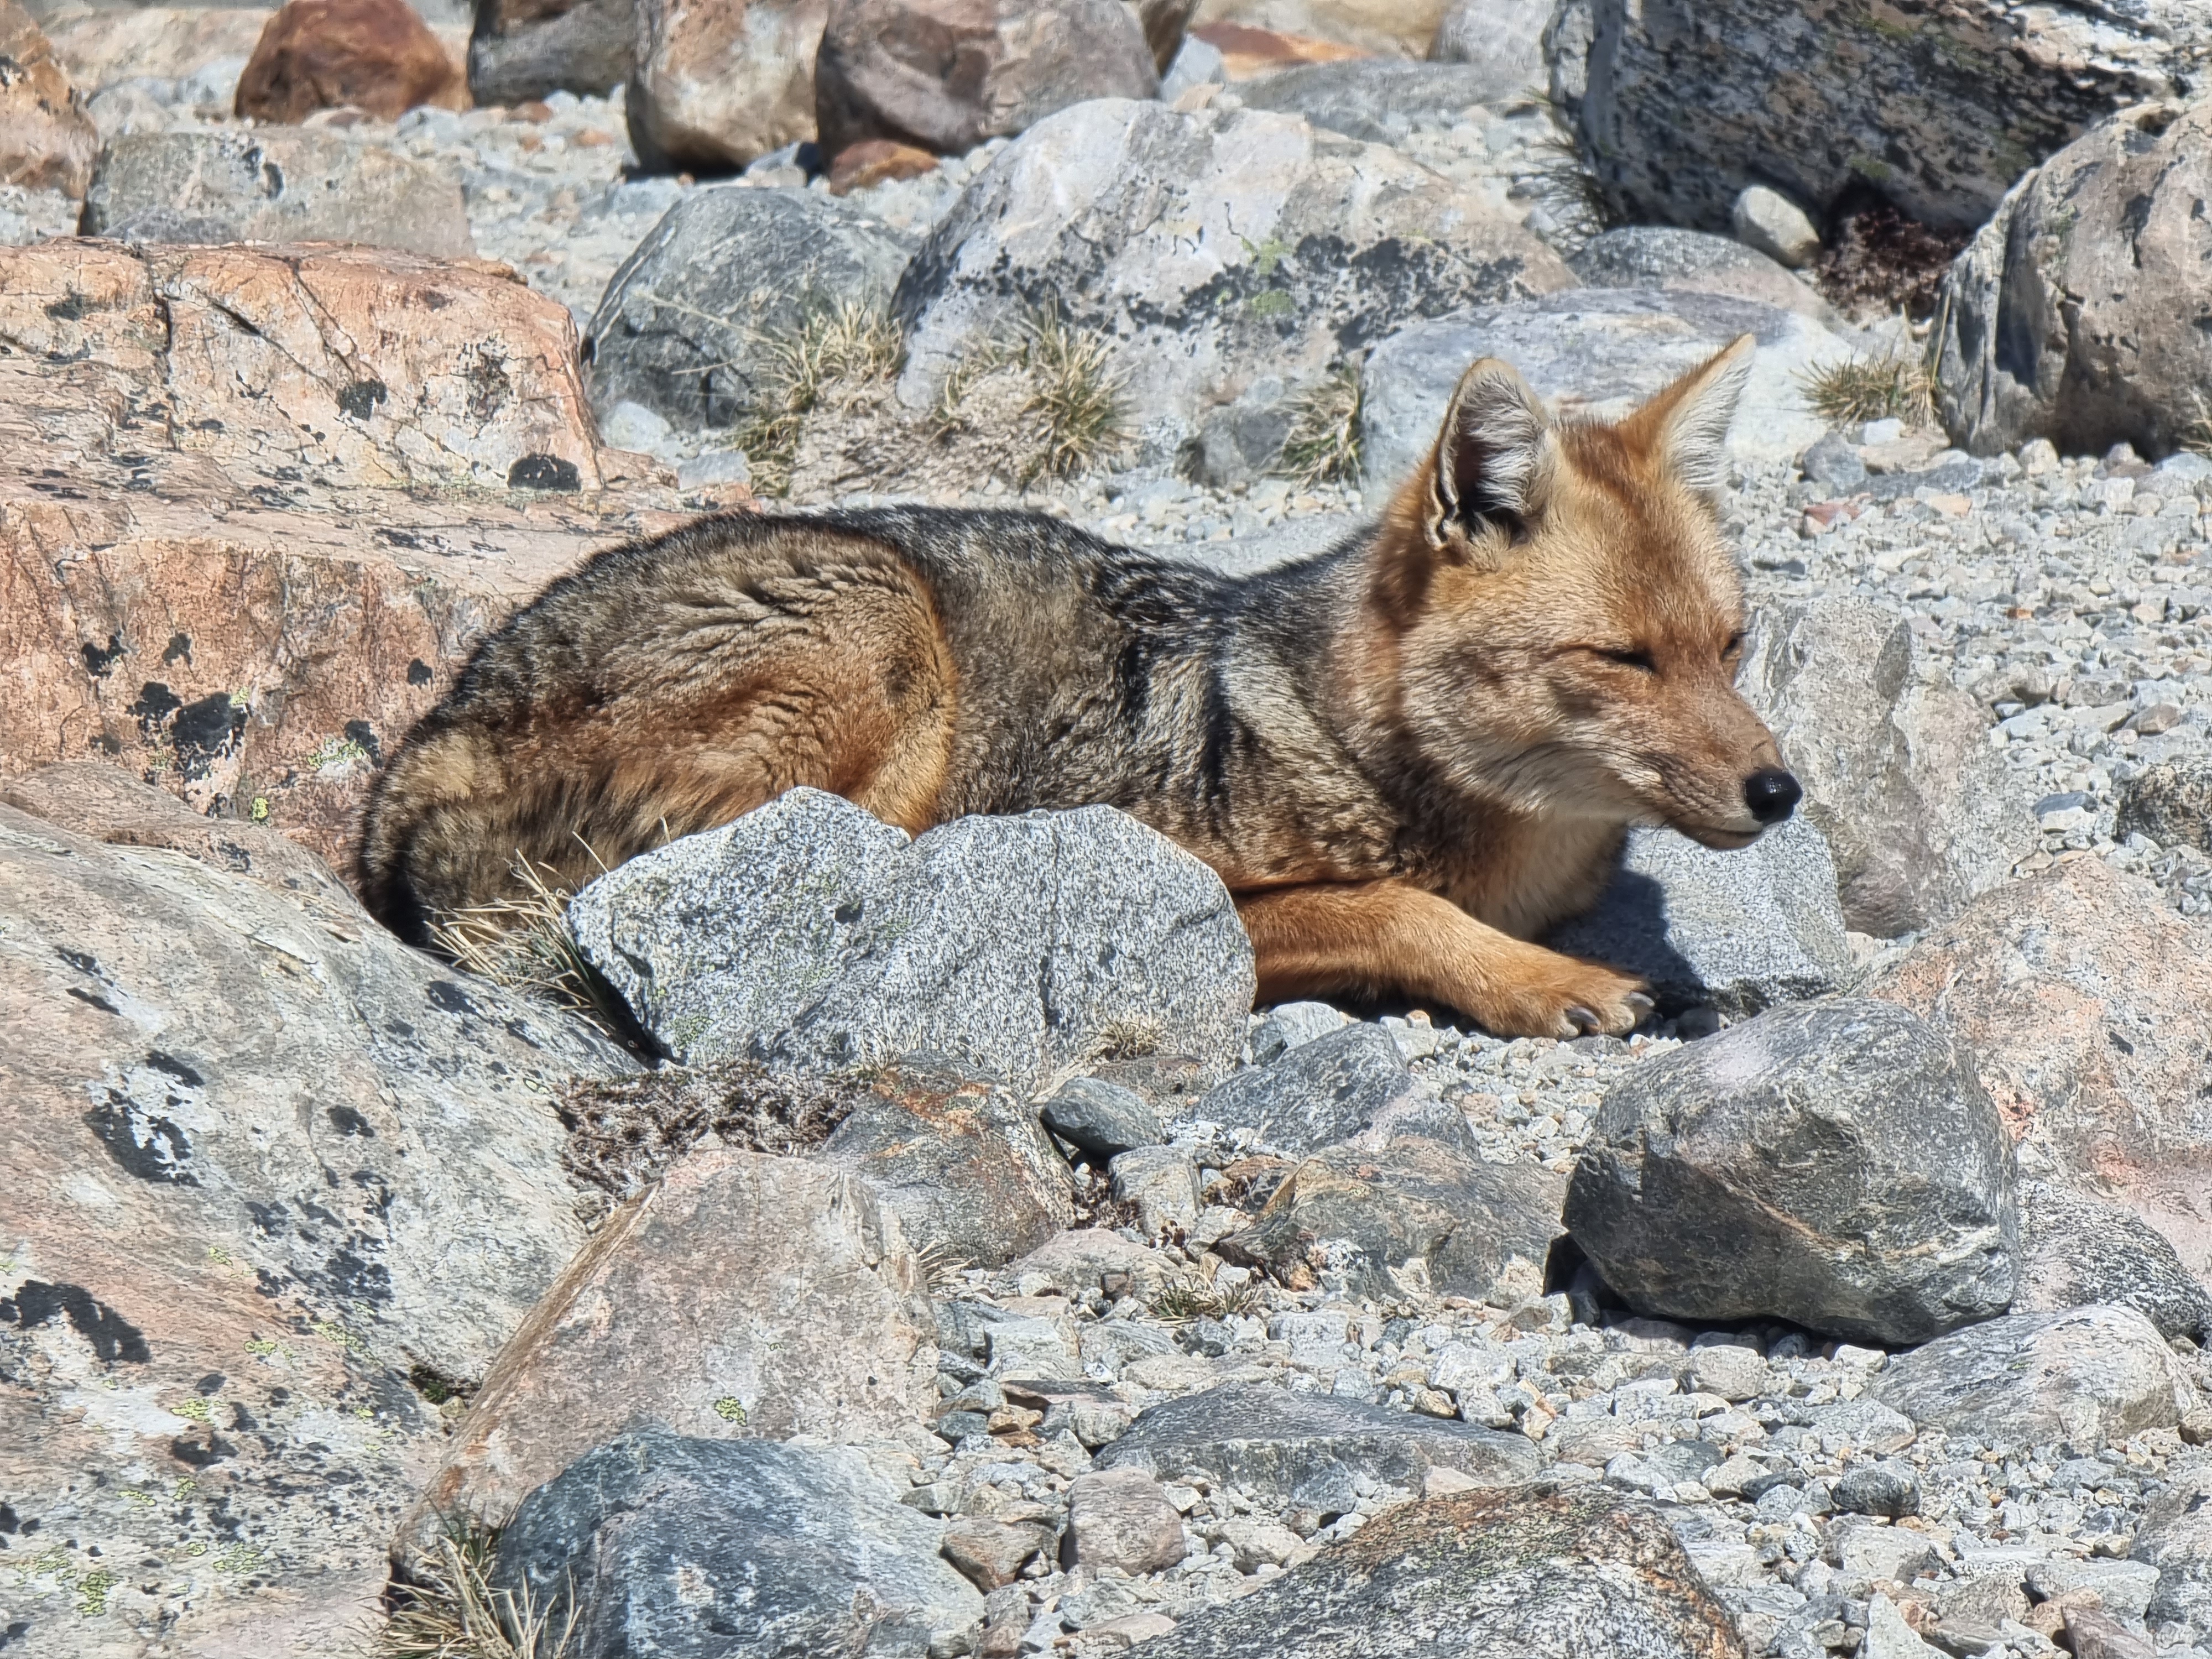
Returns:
<point x="1378" y="100"/>
<point x="1920" y="812"/>
<point x="2077" y="1249"/>
<point x="2080" y="312"/>
<point x="1216" y="247"/>
<point x="1317" y="1093"/>
<point x="678" y="1548"/>
<point x="1595" y="351"/>
<point x="1102" y="1118"/>
<point x="1739" y="931"/>
<point x="809" y="935"/>
<point x="274" y="184"/>
<point x="1540" y="1572"/>
<point x="1677" y="109"/>
<point x="1312" y="1449"/>
<point x="2088" y="1376"/>
<point x="1833" y="1163"/>
<point x="687" y="325"/>
<point x="1661" y="256"/>
<point x="2176" y="1538"/>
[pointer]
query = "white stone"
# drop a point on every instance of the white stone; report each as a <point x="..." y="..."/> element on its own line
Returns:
<point x="1776" y="225"/>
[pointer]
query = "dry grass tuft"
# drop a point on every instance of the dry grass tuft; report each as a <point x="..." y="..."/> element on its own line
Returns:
<point x="1323" y="446"/>
<point x="1181" y="1303"/>
<point x="451" y="1610"/>
<point x="1858" y="389"/>
<point x="839" y="345"/>
<point x="522" y="943"/>
<point x="1086" y="418"/>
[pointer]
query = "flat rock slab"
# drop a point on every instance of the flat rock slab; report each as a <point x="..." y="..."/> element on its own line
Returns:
<point x="1741" y="931"/>
<point x="1598" y="352"/>
<point x="810" y="936"/>
<point x="675" y="1548"/>
<point x="1535" y="1572"/>
<point x="1315" y="1094"/>
<point x="266" y="1166"/>
<point x="2090" y="1376"/>
<point x="2089" y="1002"/>
<point x="1836" y="1163"/>
<point x="741" y="1296"/>
<point x="1309" y="1449"/>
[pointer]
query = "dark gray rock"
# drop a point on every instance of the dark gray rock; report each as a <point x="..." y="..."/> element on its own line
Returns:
<point x="1741" y="931"/>
<point x="1423" y="1214"/>
<point x="690" y="323"/>
<point x="1541" y="1573"/>
<point x="2077" y="1250"/>
<point x="274" y="184"/>
<point x="679" y="1548"/>
<point x="812" y="937"/>
<point x="2176" y="1538"/>
<point x="962" y="1163"/>
<point x="1378" y="100"/>
<point x="1837" y="1165"/>
<point x="1242" y="440"/>
<point x="1834" y="464"/>
<point x="1318" y="1093"/>
<point x="1310" y="1449"/>
<point x="1920" y="812"/>
<point x="2089" y="1376"/>
<point x="1661" y="256"/>
<point x="1888" y="1489"/>
<point x="1675" y="110"/>
<point x="1595" y="351"/>
<point x="1102" y="1118"/>
<point x="524" y="49"/>
<point x="2171" y="802"/>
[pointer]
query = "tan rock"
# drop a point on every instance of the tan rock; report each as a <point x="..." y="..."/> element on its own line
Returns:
<point x="377" y="56"/>
<point x="272" y="1176"/>
<point x="744" y="1295"/>
<point x="1402" y="28"/>
<point x="873" y="160"/>
<point x="716" y="83"/>
<point x="2090" y="1004"/>
<point x="164" y="42"/>
<point x="46" y="140"/>
<point x="990" y="1553"/>
<point x="1119" y="1518"/>
<point x="195" y="583"/>
<point x="1247" y="51"/>
<point x="946" y="75"/>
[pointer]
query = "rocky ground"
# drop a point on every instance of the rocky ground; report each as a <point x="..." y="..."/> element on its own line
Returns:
<point x="1858" y="1304"/>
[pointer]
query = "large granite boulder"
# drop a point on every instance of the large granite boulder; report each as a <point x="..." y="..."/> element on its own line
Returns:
<point x="1835" y="1164"/>
<point x="1677" y="109"/>
<point x="1214" y="247"/>
<point x="2079" y="314"/>
<point x="1598" y="352"/>
<point x="811" y="936"/>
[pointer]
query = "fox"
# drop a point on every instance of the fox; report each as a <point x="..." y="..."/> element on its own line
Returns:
<point x="1407" y="757"/>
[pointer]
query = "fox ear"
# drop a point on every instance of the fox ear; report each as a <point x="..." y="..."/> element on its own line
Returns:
<point x="1687" y="424"/>
<point x="1494" y="455"/>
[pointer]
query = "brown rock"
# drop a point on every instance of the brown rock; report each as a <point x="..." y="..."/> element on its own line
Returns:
<point x="273" y="1179"/>
<point x="202" y="588"/>
<point x="1119" y="1518"/>
<point x="377" y="56"/>
<point x="743" y="1296"/>
<point x="946" y="75"/>
<point x="716" y="83"/>
<point x="2090" y="1004"/>
<point x="1390" y="28"/>
<point x="990" y="1553"/>
<point x="873" y="160"/>
<point x="46" y="140"/>
<point x="1247" y="51"/>
<point x="520" y="51"/>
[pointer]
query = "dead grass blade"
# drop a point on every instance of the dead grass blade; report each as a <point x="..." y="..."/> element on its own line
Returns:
<point x="451" y="1611"/>
<point x="1854" y="390"/>
<point x="522" y="943"/>
<point x="839" y="343"/>
<point x="1323" y="446"/>
<point x="1086" y="416"/>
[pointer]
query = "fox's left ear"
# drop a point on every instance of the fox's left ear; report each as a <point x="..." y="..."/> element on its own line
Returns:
<point x="1686" y="425"/>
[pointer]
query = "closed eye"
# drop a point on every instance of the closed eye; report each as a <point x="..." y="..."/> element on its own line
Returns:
<point x="1735" y="644"/>
<point x="1641" y="660"/>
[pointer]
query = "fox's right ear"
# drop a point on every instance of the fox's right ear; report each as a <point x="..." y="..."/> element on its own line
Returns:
<point x="1494" y="457"/>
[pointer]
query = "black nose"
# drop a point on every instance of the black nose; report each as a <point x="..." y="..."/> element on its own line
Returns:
<point x="1771" y="794"/>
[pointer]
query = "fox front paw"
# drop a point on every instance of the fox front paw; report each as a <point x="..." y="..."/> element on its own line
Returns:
<point x="1566" y="997"/>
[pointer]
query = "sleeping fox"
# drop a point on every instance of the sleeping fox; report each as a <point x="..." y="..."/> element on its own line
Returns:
<point x="1407" y="757"/>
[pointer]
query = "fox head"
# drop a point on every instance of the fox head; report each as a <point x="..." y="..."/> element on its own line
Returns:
<point x="1565" y="619"/>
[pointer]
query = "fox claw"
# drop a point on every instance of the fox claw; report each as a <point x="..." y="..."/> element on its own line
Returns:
<point x="1639" y="1005"/>
<point x="1584" y="1020"/>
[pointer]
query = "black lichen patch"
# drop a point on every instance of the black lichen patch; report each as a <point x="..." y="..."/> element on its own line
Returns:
<point x="99" y="660"/>
<point x="348" y="1122"/>
<point x="360" y="399"/>
<point x="112" y="1336"/>
<point x="179" y="650"/>
<point x="444" y="994"/>
<point x="418" y="672"/>
<point x="361" y="733"/>
<point x="207" y="730"/>
<point x="543" y="473"/>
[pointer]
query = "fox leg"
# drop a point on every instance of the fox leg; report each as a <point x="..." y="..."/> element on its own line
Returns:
<point x="1386" y="936"/>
